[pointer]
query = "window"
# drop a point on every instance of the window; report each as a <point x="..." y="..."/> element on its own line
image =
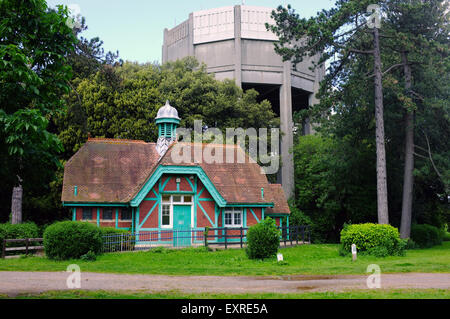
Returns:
<point x="165" y="220"/>
<point x="187" y="199"/>
<point x="177" y="198"/>
<point x="87" y="213"/>
<point x="107" y="214"/>
<point x="126" y="214"/>
<point x="233" y="217"/>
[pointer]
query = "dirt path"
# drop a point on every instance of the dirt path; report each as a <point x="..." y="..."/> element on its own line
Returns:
<point x="13" y="283"/>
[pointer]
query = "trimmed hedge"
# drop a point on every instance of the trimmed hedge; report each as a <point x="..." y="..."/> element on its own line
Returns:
<point x="425" y="236"/>
<point x="263" y="240"/>
<point x="70" y="239"/>
<point x="18" y="231"/>
<point x="374" y="239"/>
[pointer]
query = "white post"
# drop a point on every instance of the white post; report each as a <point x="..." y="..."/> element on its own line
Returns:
<point x="354" y="252"/>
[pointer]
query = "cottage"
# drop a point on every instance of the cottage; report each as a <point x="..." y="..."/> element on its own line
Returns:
<point x="135" y="185"/>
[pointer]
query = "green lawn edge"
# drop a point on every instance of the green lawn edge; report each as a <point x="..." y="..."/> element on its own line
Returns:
<point x="352" y="294"/>
<point x="320" y="259"/>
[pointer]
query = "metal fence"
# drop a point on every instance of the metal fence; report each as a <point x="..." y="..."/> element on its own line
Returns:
<point x="194" y="237"/>
<point x="224" y="236"/>
<point x="176" y="238"/>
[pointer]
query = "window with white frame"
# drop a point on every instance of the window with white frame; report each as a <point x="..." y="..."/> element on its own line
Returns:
<point x="166" y="219"/>
<point x="233" y="217"/>
<point x="167" y="207"/>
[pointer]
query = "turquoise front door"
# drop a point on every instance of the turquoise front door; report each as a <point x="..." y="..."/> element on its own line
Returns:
<point x="182" y="225"/>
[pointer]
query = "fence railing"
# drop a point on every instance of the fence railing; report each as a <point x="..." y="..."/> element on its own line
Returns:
<point x="26" y="248"/>
<point x="226" y="236"/>
<point x="178" y="238"/>
<point x="155" y="238"/>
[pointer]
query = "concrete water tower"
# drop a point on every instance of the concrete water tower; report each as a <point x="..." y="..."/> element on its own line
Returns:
<point x="234" y="44"/>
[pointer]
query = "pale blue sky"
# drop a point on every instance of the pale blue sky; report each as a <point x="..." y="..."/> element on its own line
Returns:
<point x="135" y="27"/>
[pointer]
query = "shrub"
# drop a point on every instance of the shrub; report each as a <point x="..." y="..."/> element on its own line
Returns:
<point x="376" y="239"/>
<point x="89" y="256"/>
<point x="426" y="235"/>
<point x="263" y="240"/>
<point x="446" y="236"/>
<point x="114" y="239"/>
<point x="70" y="239"/>
<point x="18" y="231"/>
<point x="379" y="251"/>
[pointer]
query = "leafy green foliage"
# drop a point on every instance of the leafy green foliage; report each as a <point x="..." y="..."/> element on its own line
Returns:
<point x="89" y="256"/>
<point x="446" y="236"/>
<point x="68" y="239"/>
<point x="375" y="239"/>
<point x="18" y="231"/>
<point x="263" y="240"/>
<point x="425" y="236"/>
<point x="340" y="186"/>
<point x="34" y="75"/>
<point x="122" y="102"/>
<point x="332" y="185"/>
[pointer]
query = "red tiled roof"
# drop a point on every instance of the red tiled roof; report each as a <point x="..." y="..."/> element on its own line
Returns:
<point x="275" y="193"/>
<point x="106" y="170"/>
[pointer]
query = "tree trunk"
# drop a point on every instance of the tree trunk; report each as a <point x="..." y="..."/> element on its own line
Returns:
<point x="382" y="199"/>
<point x="16" y="205"/>
<point x="408" y="177"/>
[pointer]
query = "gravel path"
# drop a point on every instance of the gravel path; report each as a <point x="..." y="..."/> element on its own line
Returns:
<point x="13" y="283"/>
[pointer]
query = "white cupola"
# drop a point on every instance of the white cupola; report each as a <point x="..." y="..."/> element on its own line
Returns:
<point x="167" y="121"/>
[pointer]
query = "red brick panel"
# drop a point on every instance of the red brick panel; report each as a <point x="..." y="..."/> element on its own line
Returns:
<point x="202" y="220"/>
<point x="144" y="209"/>
<point x="250" y="218"/>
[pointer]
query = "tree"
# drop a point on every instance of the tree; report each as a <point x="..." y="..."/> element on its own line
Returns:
<point x="340" y="32"/>
<point x="420" y="29"/>
<point x="416" y="31"/>
<point x="34" y="41"/>
<point x="88" y="55"/>
<point x="123" y="102"/>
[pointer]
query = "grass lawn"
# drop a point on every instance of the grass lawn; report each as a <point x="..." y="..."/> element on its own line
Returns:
<point x="306" y="259"/>
<point x="355" y="294"/>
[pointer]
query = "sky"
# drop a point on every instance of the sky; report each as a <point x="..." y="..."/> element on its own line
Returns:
<point x="135" y="27"/>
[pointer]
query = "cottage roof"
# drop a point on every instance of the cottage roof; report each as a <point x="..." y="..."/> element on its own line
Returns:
<point x="113" y="171"/>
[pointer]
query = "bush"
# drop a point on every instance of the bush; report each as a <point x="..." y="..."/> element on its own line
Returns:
<point x="69" y="239"/>
<point x="263" y="240"/>
<point x="113" y="241"/>
<point x="426" y="236"/>
<point x="446" y="236"/>
<point x="18" y="231"/>
<point x="374" y="239"/>
<point x="89" y="256"/>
